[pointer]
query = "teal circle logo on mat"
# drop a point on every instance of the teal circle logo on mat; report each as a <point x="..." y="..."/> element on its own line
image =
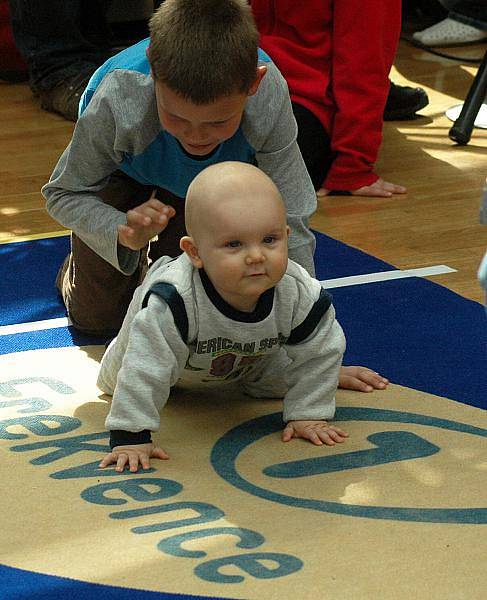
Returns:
<point x="389" y="446"/>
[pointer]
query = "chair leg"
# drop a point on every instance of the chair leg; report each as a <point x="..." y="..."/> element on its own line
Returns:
<point x="461" y="130"/>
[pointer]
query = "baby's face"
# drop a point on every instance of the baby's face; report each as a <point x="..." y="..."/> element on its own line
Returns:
<point x="244" y="249"/>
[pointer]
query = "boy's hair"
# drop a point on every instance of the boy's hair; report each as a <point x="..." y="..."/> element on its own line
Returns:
<point x="204" y="49"/>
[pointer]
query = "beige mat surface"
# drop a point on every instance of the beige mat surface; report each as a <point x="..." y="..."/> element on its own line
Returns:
<point x="398" y="511"/>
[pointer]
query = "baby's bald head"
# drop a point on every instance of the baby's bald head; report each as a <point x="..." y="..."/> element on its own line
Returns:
<point x="233" y="185"/>
<point x="238" y="233"/>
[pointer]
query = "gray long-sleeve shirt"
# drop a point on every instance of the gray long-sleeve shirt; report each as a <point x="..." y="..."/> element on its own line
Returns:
<point x="119" y="128"/>
<point x="178" y="327"/>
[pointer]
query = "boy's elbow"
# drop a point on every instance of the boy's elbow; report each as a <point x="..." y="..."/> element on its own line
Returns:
<point x="49" y="195"/>
<point x="53" y="197"/>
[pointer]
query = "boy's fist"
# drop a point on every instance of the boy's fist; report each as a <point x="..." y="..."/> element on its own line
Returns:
<point x="144" y="222"/>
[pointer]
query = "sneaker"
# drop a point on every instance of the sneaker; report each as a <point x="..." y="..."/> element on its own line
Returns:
<point x="403" y="102"/>
<point x="64" y="98"/>
<point x="450" y="32"/>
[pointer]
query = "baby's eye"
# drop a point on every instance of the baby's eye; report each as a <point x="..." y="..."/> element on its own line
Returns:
<point x="232" y="244"/>
<point x="269" y="239"/>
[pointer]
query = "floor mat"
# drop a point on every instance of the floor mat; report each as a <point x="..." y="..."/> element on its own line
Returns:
<point x="398" y="509"/>
<point x="236" y="513"/>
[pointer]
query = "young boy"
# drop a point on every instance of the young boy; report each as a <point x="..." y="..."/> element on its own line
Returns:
<point x="152" y="117"/>
<point x="231" y="307"/>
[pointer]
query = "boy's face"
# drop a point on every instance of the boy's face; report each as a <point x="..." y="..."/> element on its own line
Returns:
<point x="199" y="128"/>
<point x="244" y="249"/>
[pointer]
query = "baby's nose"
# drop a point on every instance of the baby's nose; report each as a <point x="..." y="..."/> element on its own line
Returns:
<point x="255" y="255"/>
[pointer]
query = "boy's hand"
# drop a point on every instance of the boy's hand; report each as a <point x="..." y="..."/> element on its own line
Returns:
<point x="361" y="379"/>
<point x="380" y="189"/>
<point x="144" y="222"/>
<point x="318" y="432"/>
<point x="132" y="456"/>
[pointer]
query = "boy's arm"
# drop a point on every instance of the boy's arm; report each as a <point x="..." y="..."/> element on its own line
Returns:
<point x="94" y="153"/>
<point x="270" y="127"/>
<point x="312" y="376"/>
<point x="288" y="171"/>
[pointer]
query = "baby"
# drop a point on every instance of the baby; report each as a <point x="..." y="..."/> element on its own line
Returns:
<point x="233" y="306"/>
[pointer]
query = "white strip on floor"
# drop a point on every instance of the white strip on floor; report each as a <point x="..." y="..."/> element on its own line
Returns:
<point x="34" y="326"/>
<point x="385" y="276"/>
<point x="326" y="283"/>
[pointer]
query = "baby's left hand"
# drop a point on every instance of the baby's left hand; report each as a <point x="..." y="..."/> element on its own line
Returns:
<point x="317" y="432"/>
<point x="361" y="379"/>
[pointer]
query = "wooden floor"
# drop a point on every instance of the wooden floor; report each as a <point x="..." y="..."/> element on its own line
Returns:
<point x="437" y="222"/>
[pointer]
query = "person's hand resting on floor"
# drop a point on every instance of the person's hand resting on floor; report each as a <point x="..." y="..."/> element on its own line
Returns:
<point x="132" y="456"/>
<point x="317" y="432"/>
<point x="361" y="379"/>
<point x="379" y="189"/>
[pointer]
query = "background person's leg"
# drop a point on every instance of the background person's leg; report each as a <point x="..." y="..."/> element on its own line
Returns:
<point x="314" y="143"/>
<point x="470" y="12"/>
<point x="466" y="23"/>
<point x="59" y="56"/>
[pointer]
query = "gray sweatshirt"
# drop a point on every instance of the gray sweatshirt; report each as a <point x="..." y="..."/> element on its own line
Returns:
<point x="179" y="328"/>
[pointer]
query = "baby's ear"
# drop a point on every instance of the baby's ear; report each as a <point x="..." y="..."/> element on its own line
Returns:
<point x="187" y="245"/>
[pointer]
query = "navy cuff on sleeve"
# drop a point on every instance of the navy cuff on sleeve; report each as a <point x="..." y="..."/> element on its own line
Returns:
<point x="119" y="437"/>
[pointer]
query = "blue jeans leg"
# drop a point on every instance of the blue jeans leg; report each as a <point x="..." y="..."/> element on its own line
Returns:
<point x="470" y="12"/>
<point x="49" y="35"/>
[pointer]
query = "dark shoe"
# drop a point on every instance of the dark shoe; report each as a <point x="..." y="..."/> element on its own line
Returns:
<point x="65" y="96"/>
<point x="403" y="102"/>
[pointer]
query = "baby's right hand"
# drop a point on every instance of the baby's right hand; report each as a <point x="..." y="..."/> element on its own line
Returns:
<point x="132" y="456"/>
<point x="144" y="222"/>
